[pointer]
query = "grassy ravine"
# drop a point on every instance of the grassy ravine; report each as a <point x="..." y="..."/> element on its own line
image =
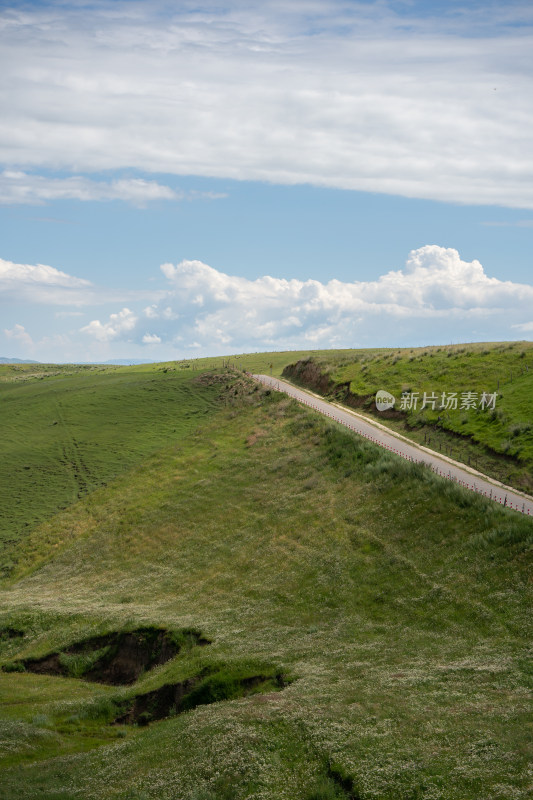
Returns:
<point x="397" y="604"/>
<point x="498" y="442"/>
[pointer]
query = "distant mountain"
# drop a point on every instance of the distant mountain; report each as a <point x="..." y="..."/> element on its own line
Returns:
<point x="17" y="361"/>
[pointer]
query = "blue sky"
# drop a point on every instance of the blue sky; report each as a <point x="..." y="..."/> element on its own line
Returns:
<point x="180" y="179"/>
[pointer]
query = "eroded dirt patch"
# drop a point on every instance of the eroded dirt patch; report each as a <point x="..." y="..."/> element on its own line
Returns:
<point x="117" y="658"/>
<point x="254" y="437"/>
<point x="208" y="686"/>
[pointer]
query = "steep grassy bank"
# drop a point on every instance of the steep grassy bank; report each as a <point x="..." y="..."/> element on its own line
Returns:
<point x="394" y="605"/>
<point x="497" y="440"/>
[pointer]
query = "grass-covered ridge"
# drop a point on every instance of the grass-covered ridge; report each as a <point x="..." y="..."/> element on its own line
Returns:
<point x="498" y="441"/>
<point x="396" y="604"/>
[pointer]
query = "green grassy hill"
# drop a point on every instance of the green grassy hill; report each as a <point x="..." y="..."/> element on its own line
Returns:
<point x="364" y="626"/>
<point x="68" y="430"/>
<point x="498" y="441"/>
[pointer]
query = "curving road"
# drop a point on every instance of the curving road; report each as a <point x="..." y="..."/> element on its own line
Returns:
<point x="384" y="437"/>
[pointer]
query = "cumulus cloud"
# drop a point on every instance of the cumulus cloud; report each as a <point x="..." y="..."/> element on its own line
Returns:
<point x="117" y="326"/>
<point x="153" y="312"/>
<point x="349" y="95"/>
<point x="435" y="280"/>
<point x="19" y="334"/>
<point x="436" y="291"/>
<point x="39" y="283"/>
<point x="437" y="297"/>
<point x="45" y="285"/>
<point x="36" y="274"/>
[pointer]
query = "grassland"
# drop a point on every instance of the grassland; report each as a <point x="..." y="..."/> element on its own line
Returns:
<point x="396" y="606"/>
<point x="498" y="441"/>
<point x="67" y="431"/>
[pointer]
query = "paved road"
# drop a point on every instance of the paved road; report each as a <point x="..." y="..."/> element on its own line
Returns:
<point x="469" y="478"/>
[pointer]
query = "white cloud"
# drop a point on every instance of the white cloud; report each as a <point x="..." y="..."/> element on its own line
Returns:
<point x="45" y="285"/>
<point x="436" y="298"/>
<point x="525" y="327"/>
<point x="436" y="291"/>
<point x="350" y="95"/>
<point x="153" y="312"/>
<point x="119" y="324"/>
<point x="195" y="195"/>
<point x="435" y="280"/>
<point x="39" y="283"/>
<point x="20" y="187"/>
<point x="36" y="274"/>
<point x="19" y="334"/>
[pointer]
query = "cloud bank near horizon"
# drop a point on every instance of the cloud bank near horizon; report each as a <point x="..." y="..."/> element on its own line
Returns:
<point x="327" y="93"/>
<point x="436" y="290"/>
<point x="436" y="298"/>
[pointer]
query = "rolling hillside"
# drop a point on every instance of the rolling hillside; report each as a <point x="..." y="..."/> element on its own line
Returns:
<point x="245" y="601"/>
<point x="69" y="430"/>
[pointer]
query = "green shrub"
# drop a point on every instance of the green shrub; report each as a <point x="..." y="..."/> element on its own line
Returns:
<point x="101" y="708"/>
<point x="77" y="664"/>
<point x="346" y="452"/>
<point x="464" y="498"/>
<point x="326" y="789"/>
<point x="14" y="666"/>
<point x="223" y="790"/>
<point x="41" y="721"/>
<point x="222" y="686"/>
<point x="517" y="534"/>
<point x="519" y="428"/>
